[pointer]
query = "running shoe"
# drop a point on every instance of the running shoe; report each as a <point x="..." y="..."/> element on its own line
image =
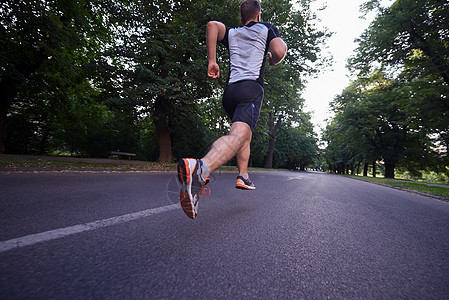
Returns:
<point x="192" y="185"/>
<point x="244" y="184"/>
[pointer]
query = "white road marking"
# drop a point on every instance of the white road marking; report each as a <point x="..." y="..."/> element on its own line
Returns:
<point x="63" y="232"/>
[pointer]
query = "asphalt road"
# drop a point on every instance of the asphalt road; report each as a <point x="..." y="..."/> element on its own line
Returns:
<point x="298" y="236"/>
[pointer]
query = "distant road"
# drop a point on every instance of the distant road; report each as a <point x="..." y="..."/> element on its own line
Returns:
<point x="297" y="236"/>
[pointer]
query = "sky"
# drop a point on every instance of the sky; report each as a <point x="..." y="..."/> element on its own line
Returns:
<point x="343" y="18"/>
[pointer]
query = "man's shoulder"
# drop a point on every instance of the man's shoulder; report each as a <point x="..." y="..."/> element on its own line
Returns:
<point x="253" y="24"/>
<point x="265" y="27"/>
<point x="268" y="24"/>
<point x="272" y="29"/>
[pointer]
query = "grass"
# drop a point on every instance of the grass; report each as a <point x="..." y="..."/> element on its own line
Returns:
<point x="46" y="163"/>
<point x="409" y="185"/>
<point x="61" y="164"/>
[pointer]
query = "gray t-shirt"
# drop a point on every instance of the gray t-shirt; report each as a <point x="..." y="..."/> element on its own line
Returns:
<point x="248" y="46"/>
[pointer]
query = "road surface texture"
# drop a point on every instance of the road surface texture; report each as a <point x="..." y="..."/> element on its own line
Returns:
<point x="303" y="235"/>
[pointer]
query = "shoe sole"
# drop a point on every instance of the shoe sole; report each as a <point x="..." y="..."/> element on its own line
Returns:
<point x="184" y="177"/>
<point x="243" y="186"/>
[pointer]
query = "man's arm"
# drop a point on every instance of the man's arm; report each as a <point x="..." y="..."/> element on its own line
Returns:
<point x="215" y="32"/>
<point x="278" y="51"/>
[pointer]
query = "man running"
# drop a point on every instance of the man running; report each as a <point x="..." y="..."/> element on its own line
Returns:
<point x="248" y="48"/>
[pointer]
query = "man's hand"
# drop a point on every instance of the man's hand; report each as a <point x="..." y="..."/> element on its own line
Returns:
<point x="215" y="32"/>
<point x="213" y="71"/>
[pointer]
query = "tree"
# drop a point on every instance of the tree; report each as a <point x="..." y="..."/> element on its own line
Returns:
<point x="376" y="120"/>
<point x="409" y="40"/>
<point x="283" y="102"/>
<point x="396" y="107"/>
<point x="167" y="77"/>
<point x="400" y="33"/>
<point x="296" y="146"/>
<point x="50" y="44"/>
<point x="87" y="76"/>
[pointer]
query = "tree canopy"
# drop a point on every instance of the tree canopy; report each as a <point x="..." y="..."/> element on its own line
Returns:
<point x="86" y="77"/>
<point x="397" y="110"/>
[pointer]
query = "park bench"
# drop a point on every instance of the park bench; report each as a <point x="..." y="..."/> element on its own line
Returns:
<point x="118" y="153"/>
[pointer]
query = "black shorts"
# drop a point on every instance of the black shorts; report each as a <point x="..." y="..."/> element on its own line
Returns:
<point x="242" y="101"/>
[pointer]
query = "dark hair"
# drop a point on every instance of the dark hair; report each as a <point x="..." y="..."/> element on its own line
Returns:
<point x="249" y="9"/>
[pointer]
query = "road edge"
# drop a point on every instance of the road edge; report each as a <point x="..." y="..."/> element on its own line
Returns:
<point x="441" y="198"/>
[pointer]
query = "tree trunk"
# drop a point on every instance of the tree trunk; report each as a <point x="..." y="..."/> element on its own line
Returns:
<point x="163" y="133"/>
<point x="389" y="169"/>
<point x="374" y="169"/>
<point x="273" y="131"/>
<point x="9" y="85"/>
<point x="365" y="169"/>
<point x="270" y="152"/>
<point x="8" y="92"/>
<point x="44" y="140"/>
<point x="340" y="168"/>
<point x="4" y="106"/>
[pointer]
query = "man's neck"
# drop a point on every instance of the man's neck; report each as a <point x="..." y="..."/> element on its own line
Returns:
<point x="254" y="20"/>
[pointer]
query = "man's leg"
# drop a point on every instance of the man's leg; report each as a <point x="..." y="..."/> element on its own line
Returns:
<point x="243" y="157"/>
<point x="192" y="173"/>
<point x="243" y="181"/>
<point x="228" y="146"/>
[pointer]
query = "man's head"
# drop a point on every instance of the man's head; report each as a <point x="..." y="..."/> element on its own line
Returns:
<point x="250" y="10"/>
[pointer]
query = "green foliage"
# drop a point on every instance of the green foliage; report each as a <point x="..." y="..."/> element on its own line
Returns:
<point x="86" y="77"/>
<point x="46" y="49"/>
<point x="375" y="120"/>
<point x="296" y="147"/>
<point x="283" y="103"/>
<point x="407" y="33"/>
<point x="410" y="42"/>
<point x="397" y="110"/>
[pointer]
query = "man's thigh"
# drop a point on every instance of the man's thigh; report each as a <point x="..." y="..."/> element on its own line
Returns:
<point x="242" y="102"/>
